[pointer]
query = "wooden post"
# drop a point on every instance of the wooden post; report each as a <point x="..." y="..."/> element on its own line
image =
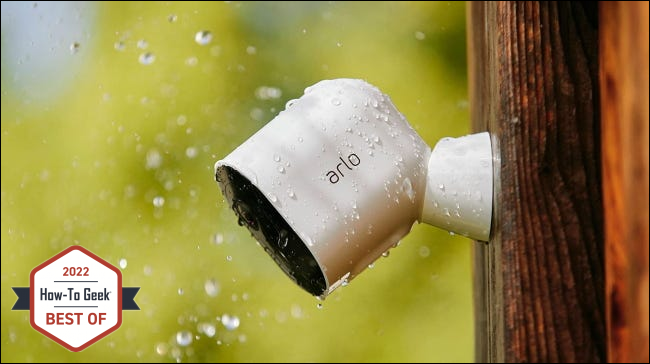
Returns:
<point x="534" y="85"/>
<point x="624" y="85"/>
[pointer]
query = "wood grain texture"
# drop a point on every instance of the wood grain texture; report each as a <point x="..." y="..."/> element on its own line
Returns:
<point x="624" y="85"/>
<point x="534" y="86"/>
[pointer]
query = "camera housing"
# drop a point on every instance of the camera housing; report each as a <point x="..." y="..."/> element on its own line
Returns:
<point x="339" y="177"/>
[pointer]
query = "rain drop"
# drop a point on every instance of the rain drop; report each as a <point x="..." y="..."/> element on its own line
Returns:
<point x="407" y="188"/>
<point x="74" y="48"/>
<point x="441" y="187"/>
<point x="424" y="251"/>
<point x="208" y="329"/>
<point x="161" y="348"/>
<point x="290" y="103"/>
<point x="191" y="152"/>
<point x="283" y="239"/>
<point x="267" y="93"/>
<point x="212" y="287"/>
<point x="172" y="18"/>
<point x="336" y="102"/>
<point x="181" y="291"/>
<point x="142" y="44"/>
<point x="123" y="263"/>
<point x="147" y="58"/>
<point x="119" y="46"/>
<point x="230" y="322"/>
<point x="229" y="258"/>
<point x="217" y="238"/>
<point x="385" y="254"/>
<point x="158" y="201"/>
<point x="184" y="338"/>
<point x="281" y="169"/>
<point x="420" y="35"/>
<point x="203" y="37"/>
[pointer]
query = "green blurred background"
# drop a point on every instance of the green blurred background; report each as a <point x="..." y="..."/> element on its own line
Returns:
<point x="108" y="107"/>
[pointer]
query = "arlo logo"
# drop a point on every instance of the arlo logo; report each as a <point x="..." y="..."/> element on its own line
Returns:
<point x="334" y="177"/>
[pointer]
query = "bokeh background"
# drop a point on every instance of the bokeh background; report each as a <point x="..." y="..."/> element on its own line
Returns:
<point x="113" y="115"/>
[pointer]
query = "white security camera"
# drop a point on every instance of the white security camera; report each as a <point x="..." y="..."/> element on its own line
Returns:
<point x="339" y="177"/>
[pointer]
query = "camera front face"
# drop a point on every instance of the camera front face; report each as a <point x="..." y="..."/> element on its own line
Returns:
<point x="271" y="230"/>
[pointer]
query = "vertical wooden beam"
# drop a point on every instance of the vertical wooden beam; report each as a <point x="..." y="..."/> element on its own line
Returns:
<point x="534" y="86"/>
<point x="624" y="85"/>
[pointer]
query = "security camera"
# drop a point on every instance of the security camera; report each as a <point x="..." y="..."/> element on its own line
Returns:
<point x="339" y="177"/>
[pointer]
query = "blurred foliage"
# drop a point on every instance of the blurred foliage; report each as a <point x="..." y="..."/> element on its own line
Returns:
<point x="90" y="136"/>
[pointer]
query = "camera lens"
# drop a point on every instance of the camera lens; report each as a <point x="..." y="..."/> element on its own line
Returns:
<point x="271" y="230"/>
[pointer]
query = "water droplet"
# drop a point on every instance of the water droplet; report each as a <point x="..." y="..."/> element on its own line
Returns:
<point x="230" y="322"/>
<point x="191" y="152"/>
<point x="452" y="233"/>
<point x="268" y="93"/>
<point x="123" y="263"/>
<point x="212" y="287"/>
<point x="385" y="254"/>
<point x="319" y="306"/>
<point x="300" y="139"/>
<point x="478" y="196"/>
<point x="420" y="35"/>
<point x="291" y="193"/>
<point x="336" y="102"/>
<point x="281" y="169"/>
<point x="515" y="120"/>
<point x="283" y="239"/>
<point x="161" y="348"/>
<point x="184" y="338"/>
<point x="203" y="37"/>
<point x="229" y="258"/>
<point x="142" y="44"/>
<point x="424" y="251"/>
<point x="441" y="187"/>
<point x="172" y="18"/>
<point x="147" y="58"/>
<point x="407" y="188"/>
<point x="273" y="197"/>
<point x="158" y="201"/>
<point x="207" y="329"/>
<point x="290" y="103"/>
<point x="74" y="47"/>
<point x="251" y="50"/>
<point x="217" y="238"/>
<point x="191" y="61"/>
<point x="446" y="211"/>
<point x="371" y="265"/>
<point x="119" y="46"/>
<point x="181" y="291"/>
